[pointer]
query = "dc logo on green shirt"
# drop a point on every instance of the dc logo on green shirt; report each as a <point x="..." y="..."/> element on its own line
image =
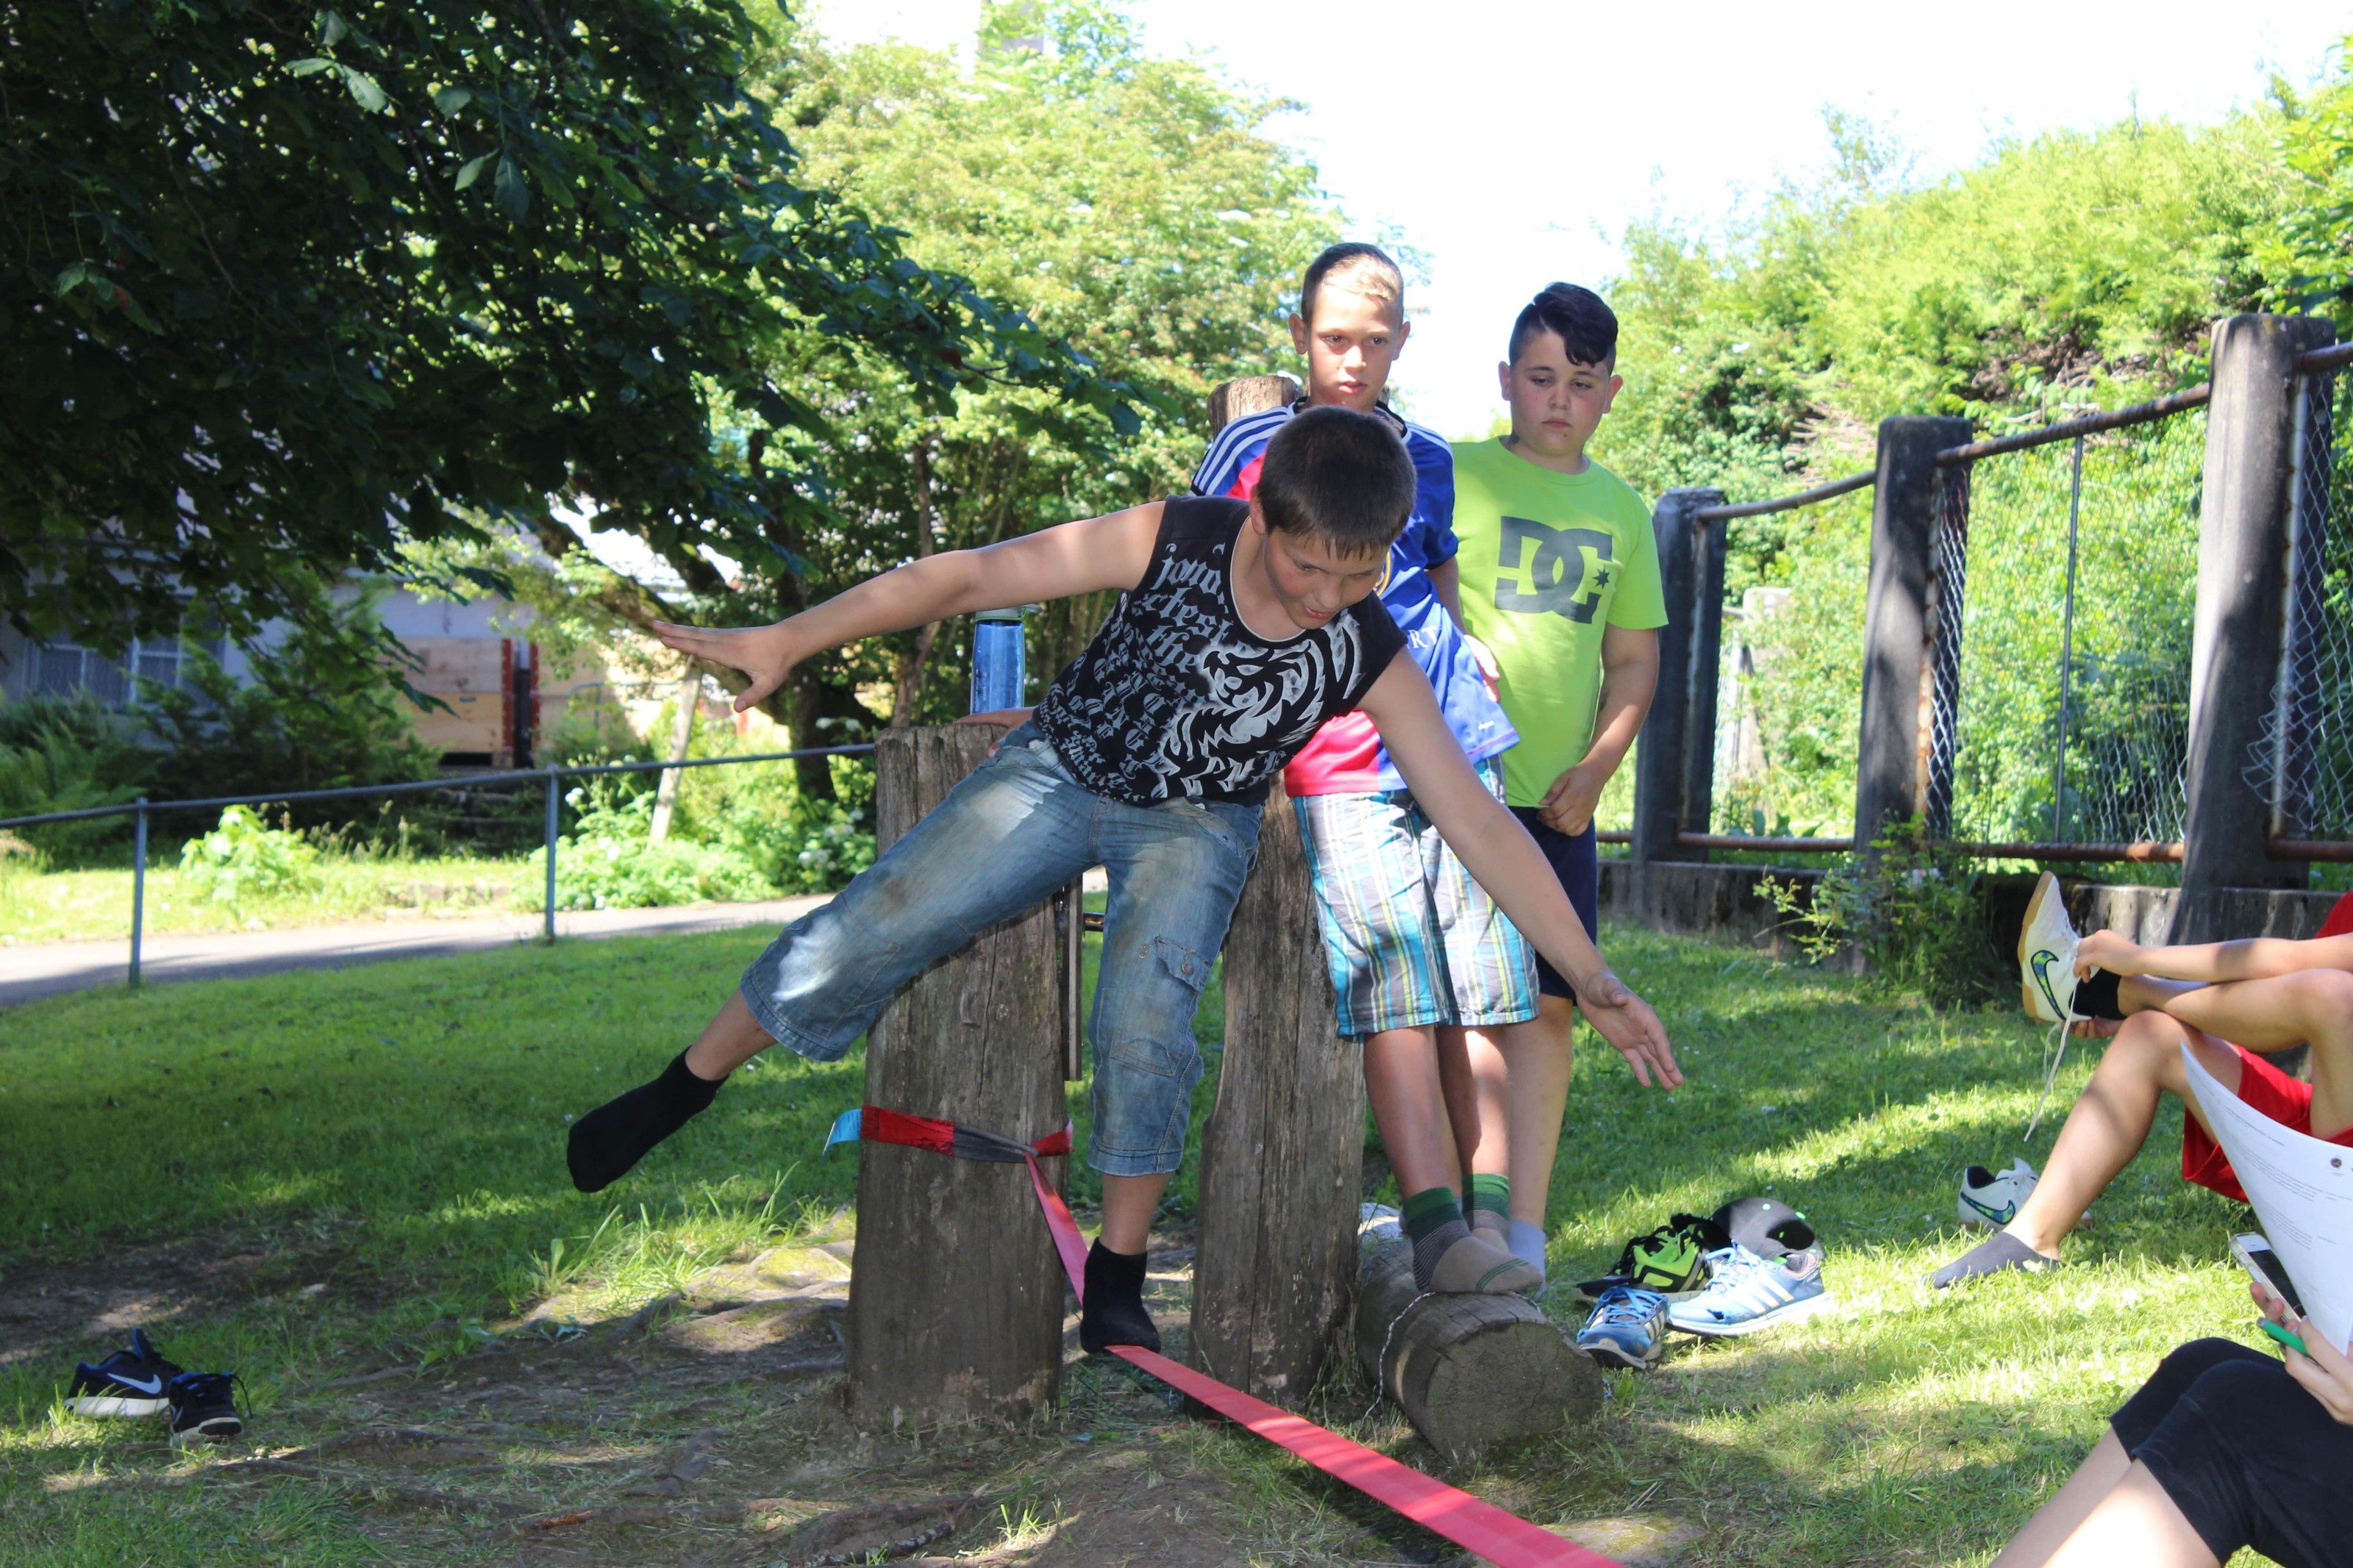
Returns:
<point x="1556" y="579"/>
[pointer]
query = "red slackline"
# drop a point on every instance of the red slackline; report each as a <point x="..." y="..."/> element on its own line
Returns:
<point x="1500" y="1537"/>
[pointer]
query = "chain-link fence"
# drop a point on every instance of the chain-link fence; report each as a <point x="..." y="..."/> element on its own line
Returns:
<point x="1789" y="706"/>
<point x="2065" y="588"/>
<point x="2305" y="766"/>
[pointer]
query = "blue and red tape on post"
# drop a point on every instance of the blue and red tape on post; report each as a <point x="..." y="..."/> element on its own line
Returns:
<point x="1502" y="1538"/>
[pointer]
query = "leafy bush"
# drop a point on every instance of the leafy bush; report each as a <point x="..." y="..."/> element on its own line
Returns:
<point x="1913" y="909"/>
<point x="606" y="863"/>
<point x="244" y="858"/>
<point x="69" y="755"/>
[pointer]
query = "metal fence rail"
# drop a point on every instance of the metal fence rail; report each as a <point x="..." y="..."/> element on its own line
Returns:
<point x="140" y="810"/>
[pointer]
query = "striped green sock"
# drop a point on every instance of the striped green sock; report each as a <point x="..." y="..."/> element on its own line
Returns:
<point x="1489" y="1207"/>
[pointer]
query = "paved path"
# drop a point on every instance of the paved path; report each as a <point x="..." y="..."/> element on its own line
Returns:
<point x="29" y="973"/>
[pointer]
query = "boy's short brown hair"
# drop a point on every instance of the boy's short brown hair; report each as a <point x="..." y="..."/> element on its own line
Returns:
<point x="1586" y="326"/>
<point x="1340" y="476"/>
<point x="1364" y="268"/>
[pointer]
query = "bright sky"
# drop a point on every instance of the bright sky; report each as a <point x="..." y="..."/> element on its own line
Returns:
<point x="1511" y="142"/>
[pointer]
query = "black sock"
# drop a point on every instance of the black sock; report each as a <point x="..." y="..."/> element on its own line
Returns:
<point x="616" y="1135"/>
<point x="2095" y="997"/>
<point x="1114" y="1311"/>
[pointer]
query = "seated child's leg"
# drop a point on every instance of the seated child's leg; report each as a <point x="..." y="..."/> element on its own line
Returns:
<point x="2104" y="1129"/>
<point x="1003" y="840"/>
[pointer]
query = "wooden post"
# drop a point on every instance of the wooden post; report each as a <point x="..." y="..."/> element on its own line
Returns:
<point x="1891" y="759"/>
<point x="955" y="1295"/>
<point x="1674" y="768"/>
<point x="1468" y="1371"/>
<point x="2235" y="646"/>
<point x="1283" y="1156"/>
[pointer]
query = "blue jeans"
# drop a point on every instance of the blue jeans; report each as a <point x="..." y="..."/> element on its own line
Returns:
<point x="1016" y="829"/>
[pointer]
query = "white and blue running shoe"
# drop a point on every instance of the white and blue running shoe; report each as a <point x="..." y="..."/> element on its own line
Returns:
<point x="1628" y="1328"/>
<point x="131" y="1382"/>
<point x="1747" y="1293"/>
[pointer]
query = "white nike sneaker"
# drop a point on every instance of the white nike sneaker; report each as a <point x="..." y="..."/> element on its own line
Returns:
<point x="1990" y="1202"/>
<point x="2046" y="956"/>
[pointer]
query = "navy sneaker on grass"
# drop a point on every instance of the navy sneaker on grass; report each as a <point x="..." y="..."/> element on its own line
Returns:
<point x="1747" y="1293"/>
<point x="128" y="1382"/>
<point x="203" y="1407"/>
<point x="1629" y="1328"/>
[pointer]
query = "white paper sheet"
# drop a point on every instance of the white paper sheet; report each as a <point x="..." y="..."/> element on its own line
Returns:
<point x="2302" y="1189"/>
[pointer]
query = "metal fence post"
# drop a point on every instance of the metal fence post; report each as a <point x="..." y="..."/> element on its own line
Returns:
<point x="554" y="780"/>
<point x="138" y="886"/>
<point x="1893" y="764"/>
<point x="1674" y="766"/>
<point x="2243" y="542"/>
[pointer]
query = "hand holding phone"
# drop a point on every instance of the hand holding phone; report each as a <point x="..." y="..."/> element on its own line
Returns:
<point x="2255" y="1254"/>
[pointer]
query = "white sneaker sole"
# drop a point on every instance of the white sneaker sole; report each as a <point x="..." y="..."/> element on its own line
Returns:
<point x="118" y="1404"/>
<point x="1796" y="1311"/>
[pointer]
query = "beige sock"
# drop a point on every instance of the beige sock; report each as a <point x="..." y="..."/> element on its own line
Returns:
<point x="1478" y="1263"/>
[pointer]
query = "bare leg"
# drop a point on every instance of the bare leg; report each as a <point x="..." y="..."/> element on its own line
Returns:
<point x="1401" y="1078"/>
<point x="1128" y="1204"/>
<point x="2136" y="1523"/>
<point x="1539" y="1056"/>
<point x="2053" y="1523"/>
<point x="727" y="1041"/>
<point x="2111" y="1121"/>
<point x="2311" y="1006"/>
<point x="1477" y="1099"/>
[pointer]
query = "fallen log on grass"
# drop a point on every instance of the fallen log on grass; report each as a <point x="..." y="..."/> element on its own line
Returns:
<point x="1469" y="1371"/>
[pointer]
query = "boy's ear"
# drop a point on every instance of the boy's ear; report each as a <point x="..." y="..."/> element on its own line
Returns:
<point x="1504" y="378"/>
<point x="1299" y="334"/>
<point x="1617" y="385"/>
<point x="1257" y="510"/>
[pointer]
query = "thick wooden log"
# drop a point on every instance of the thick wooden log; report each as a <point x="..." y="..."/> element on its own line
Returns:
<point x="957" y="1297"/>
<point x="1250" y="394"/>
<point x="1468" y="1371"/>
<point x="1283" y="1156"/>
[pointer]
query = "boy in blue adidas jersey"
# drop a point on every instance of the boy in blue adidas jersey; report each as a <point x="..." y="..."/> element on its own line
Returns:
<point x="1424" y="967"/>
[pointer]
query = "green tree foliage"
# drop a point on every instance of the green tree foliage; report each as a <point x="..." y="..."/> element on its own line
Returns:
<point x="287" y="287"/>
<point x="2312" y="253"/>
<point x="1134" y="207"/>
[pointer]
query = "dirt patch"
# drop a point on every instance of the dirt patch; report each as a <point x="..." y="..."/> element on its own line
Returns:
<point x="82" y="1310"/>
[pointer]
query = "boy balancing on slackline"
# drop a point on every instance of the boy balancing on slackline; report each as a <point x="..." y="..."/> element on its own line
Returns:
<point x="1419" y="955"/>
<point x="1241" y="628"/>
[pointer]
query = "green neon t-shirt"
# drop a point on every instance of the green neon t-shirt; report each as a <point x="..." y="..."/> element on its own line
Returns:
<point x="1547" y="561"/>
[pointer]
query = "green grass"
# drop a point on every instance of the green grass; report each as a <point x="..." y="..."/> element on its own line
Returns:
<point x="94" y="904"/>
<point x="396" y="1133"/>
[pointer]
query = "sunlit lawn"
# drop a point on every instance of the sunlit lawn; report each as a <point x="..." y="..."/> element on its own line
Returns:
<point x="95" y="905"/>
<point x="411" y="1116"/>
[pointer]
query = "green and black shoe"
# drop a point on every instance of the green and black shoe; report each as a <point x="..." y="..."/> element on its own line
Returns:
<point x="1669" y="1260"/>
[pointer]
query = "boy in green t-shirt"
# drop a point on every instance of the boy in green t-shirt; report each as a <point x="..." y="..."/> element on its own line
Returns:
<point x="1560" y="584"/>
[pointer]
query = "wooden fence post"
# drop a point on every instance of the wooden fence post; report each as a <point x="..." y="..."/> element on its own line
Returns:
<point x="955" y="1294"/>
<point x="1283" y="1156"/>
<point x="2235" y="648"/>
<point x="1892" y="763"/>
<point x="1674" y="768"/>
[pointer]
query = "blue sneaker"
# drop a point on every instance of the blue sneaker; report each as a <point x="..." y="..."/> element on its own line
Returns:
<point x="1628" y="1326"/>
<point x="128" y="1382"/>
<point x="203" y="1407"/>
<point x="1747" y="1292"/>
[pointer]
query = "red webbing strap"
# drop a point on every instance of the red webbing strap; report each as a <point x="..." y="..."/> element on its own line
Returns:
<point x="1502" y="1538"/>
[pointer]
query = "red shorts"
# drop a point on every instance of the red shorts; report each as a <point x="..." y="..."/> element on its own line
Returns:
<point x="2262" y="1085"/>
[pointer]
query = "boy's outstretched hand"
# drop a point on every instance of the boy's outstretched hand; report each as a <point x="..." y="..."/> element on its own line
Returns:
<point x="764" y="653"/>
<point x="1626" y="1021"/>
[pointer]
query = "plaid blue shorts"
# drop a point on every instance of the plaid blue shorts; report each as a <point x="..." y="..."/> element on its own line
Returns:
<point x="1411" y="939"/>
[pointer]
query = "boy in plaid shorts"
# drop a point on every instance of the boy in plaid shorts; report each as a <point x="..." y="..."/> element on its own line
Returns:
<point x="1421" y="957"/>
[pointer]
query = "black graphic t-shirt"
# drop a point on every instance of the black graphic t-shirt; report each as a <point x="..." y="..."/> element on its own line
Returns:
<point x="1176" y="699"/>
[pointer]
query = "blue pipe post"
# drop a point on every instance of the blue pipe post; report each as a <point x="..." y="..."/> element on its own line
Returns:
<point x="138" y="884"/>
<point x="555" y="778"/>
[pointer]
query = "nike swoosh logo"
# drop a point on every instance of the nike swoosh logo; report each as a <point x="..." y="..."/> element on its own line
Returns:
<point x="152" y="1386"/>
<point x="2002" y="1216"/>
<point x="2041" y="962"/>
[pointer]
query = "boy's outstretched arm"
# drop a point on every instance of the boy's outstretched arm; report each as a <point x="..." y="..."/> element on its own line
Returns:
<point x="1499" y="853"/>
<point x="1110" y="552"/>
<point x="2213" y="962"/>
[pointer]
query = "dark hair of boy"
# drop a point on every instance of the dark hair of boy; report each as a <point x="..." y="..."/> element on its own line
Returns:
<point x="1350" y="258"/>
<point x="1585" y="326"/>
<point x="1340" y="476"/>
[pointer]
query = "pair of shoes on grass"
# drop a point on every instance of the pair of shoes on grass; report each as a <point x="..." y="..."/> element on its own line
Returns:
<point x="137" y="1380"/>
<point x="1744" y="1293"/>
